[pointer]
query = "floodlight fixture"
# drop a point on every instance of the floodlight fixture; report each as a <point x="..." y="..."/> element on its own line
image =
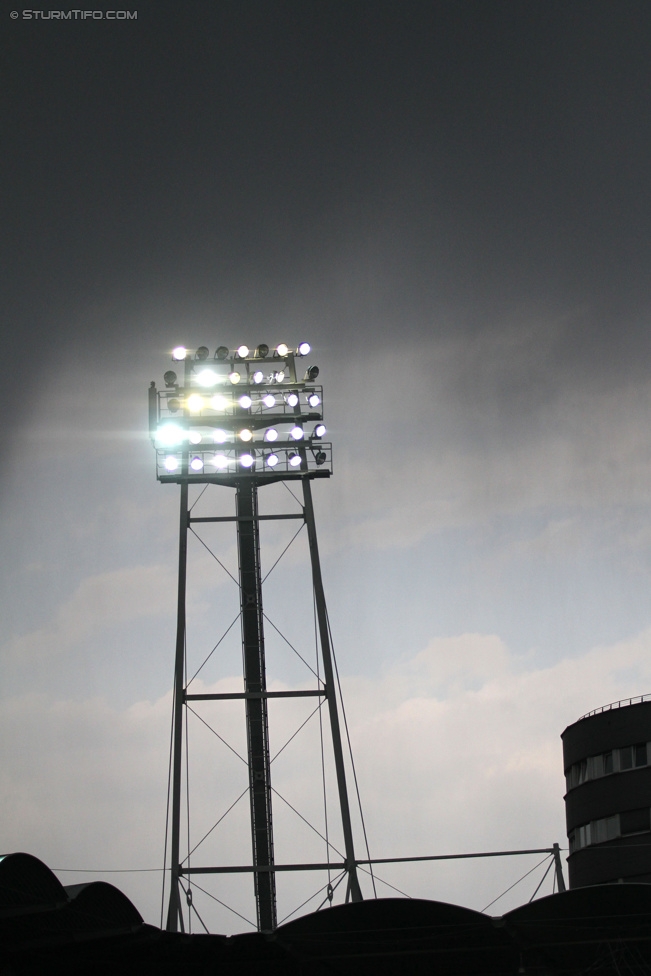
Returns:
<point x="173" y="405"/>
<point x="221" y="352"/>
<point x="207" y="377"/>
<point x="170" y="435"/>
<point x="282" y="349"/>
<point x="242" y="351"/>
<point x="194" y="437"/>
<point x="246" y="460"/>
<point x="272" y="460"/>
<point x="311" y="374"/>
<point x="295" y="460"/>
<point x="245" y="401"/>
<point x="258" y="376"/>
<point x="320" y="457"/>
<point x="220" y="461"/>
<point x="262" y="351"/>
<point x="170" y="378"/>
<point x="195" y="403"/>
<point x="269" y="400"/>
<point x="218" y="402"/>
<point x="314" y="400"/>
<point x="179" y="353"/>
<point x="271" y="434"/>
<point x="291" y="399"/>
<point x="220" y="436"/>
<point x="319" y="430"/>
<point x="202" y="353"/>
<point x="171" y="463"/>
<point x="245" y="435"/>
<point x="278" y="376"/>
<point x="196" y="464"/>
<point x="297" y="433"/>
<point x="234" y="377"/>
<point x="304" y="348"/>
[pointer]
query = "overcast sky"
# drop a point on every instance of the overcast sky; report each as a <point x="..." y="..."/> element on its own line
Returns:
<point x="450" y="201"/>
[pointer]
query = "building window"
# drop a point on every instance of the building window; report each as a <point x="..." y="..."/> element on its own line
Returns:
<point x="609" y="828"/>
<point x="634" y="821"/>
<point x="605" y="763"/>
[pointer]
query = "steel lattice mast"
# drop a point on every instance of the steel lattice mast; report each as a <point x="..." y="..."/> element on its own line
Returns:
<point x="269" y="427"/>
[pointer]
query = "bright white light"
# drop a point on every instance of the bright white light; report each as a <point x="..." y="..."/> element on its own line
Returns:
<point x="282" y="348"/>
<point x="304" y="349"/>
<point x="246" y="460"/>
<point x="234" y="377"/>
<point x="271" y="434"/>
<point x="220" y="461"/>
<point x="169" y="435"/>
<point x="279" y="376"/>
<point x="294" y="460"/>
<point x="258" y="376"/>
<point x="269" y="400"/>
<point x="296" y="433"/>
<point x="292" y="399"/>
<point x="245" y="401"/>
<point x="171" y="463"/>
<point x="179" y="353"/>
<point x="195" y="437"/>
<point x="242" y="351"/>
<point x="319" y="430"/>
<point x="272" y="460"/>
<point x="314" y="399"/>
<point x="218" y="402"/>
<point x="220" y="436"/>
<point x="245" y="435"/>
<point x="196" y="464"/>
<point x="207" y="377"/>
<point x="195" y="403"/>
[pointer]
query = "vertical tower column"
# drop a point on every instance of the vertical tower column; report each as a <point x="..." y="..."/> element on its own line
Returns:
<point x="255" y="688"/>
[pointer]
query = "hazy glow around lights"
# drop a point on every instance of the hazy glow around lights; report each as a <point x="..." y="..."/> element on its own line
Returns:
<point x="195" y="437"/>
<point x="171" y="463"/>
<point x="195" y="403"/>
<point x="196" y="464"/>
<point x="169" y="435"/>
<point x="269" y="400"/>
<point x="245" y="401"/>
<point x="207" y="377"/>
<point x="179" y="353"/>
<point x="220" y="461"/>
<point x="220" y="436"/>
<point x="245" y="435"/>
<point x="246" y="460"/>
<point x="218" y="402"/>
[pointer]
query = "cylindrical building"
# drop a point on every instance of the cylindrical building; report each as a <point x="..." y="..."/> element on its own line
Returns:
<point x="607" y="760"/>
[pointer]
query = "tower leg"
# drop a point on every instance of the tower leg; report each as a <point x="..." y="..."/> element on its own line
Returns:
<point x="255" y="686"/>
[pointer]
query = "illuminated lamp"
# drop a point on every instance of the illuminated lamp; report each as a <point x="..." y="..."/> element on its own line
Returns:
<point x="221" y="352"/>
<point x="220" y="437"/>
<point x="234" y="377"/>
<point x="170" y="378"/>
<point x="279" y="376"/>
<point x="245" y="401"/>
<point x="202" y="352"/>
<point x="319" y="430"/>
<point x="179" y="353"/>
<point x="296" y="433"/>
<point x="314" y="399"/>
<point x="207" y="377"/>
<point x="242" y="351"/>
<point x="194" y="437"/>
<point x="171" y="463"/>
<point x="219" y="460"/>
<point x="291" y="399"/>
<point x="272" y="460"/>
<point x="169" y="435"/>
<point x="246" y="460"/>
<point x="196" y="464"/>
<point x="269" y="400"/>
<point x="245" y="435"/>
<point x="262" y="351"/>
<point x="320" y="457"/>
<point x="271" y="434"/>
<point x="258" y="376"/>
<point x="282" y="349"/>
<point x="295" y="460"/>
<point x="304" y="349"/>
<point x="173" y="405"/>
<point x="311" y="374"/>
<point x="195" y="403"/>
<point x="218" y="402"/>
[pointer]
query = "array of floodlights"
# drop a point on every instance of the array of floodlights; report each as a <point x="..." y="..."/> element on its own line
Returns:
<point x="290" y="450"/>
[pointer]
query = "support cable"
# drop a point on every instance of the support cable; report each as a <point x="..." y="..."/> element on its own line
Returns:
<point x="541" y="880"/>
<point x="167" y="812"/>
<point x="514" y="884"/>
<point x="307" y="900"/>
<point x="302" y="726"/>
<point x="299" y="503"/>
<point x="198" y="498"/>
<point x="350" y="752"/>
<point x="224" y="905"/>
<point x="311" y="826"/>
<point x="216" y="558"/>
<point x="300" y="656"/>
<point x="234" y="751"/>
<point x="225" y="634"/>
<point x="375" y="876"/>
<point x="323" y="772"/>
<point x="187" y="784"/>
<point x="268" y="574"/>
<point x="233" y="804"/>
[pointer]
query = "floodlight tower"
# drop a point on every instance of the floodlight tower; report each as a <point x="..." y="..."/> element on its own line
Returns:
<point x="243" y="419"/>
